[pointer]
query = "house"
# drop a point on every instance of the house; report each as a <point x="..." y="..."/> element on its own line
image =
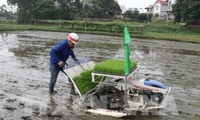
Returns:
<point x="161" y="9"/>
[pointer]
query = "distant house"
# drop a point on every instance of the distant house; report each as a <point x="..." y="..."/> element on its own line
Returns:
<point x="3" y="9"/>
<point x="161" y="9"/>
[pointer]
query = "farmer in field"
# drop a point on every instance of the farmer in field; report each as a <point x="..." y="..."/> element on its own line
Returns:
<point x="59" y="55"/>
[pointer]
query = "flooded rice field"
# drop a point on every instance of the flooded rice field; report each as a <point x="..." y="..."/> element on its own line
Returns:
<point x="24" y="75"/>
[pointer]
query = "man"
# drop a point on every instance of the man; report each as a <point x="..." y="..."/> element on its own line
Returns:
<point x="59" y="55"/>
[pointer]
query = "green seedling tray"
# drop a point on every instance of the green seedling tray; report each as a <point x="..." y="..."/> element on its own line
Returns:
<point x="110" y="66"/>
<point x="114" y="67"/>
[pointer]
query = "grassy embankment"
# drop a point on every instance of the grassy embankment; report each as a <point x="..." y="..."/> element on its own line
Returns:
<point x="154" y="30"/>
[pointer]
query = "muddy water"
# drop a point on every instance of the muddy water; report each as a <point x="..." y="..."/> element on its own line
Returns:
<point x="24" y="74"/>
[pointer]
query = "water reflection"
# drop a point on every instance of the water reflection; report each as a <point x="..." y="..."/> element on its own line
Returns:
<point x="4" y="36"/>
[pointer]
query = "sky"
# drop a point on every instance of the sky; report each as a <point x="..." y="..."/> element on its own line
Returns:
<point x="3" y="2"/>
<point x="136" y="3"/>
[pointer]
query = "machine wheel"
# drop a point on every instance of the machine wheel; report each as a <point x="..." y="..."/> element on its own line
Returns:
<point x="157" y="97"/>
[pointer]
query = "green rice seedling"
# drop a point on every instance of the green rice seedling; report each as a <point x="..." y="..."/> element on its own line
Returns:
<point x="84" y="81"/>
<point x="110" y="66"/>
<point x="114" y="66"/>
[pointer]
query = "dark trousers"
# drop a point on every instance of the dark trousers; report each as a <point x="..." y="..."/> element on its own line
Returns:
<point x="54" y="71"/>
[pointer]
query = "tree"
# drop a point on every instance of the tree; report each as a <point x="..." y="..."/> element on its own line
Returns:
<point x="187" y="11"/>
<point x="110" y="6"/>
<point x="45" y="9"/>
<point x="131" y="13"/>
<point x="29" y="10"/>
<point x="149" y="16"/>
<point x="25" y="9"/>
<point x="3" y="10"/>
<point x="92" y="9"/>
<point x="102" y="8"/>
<point x="5" y="13"/>
<point x="142" y="17"/>
<point x="68" y="9"/>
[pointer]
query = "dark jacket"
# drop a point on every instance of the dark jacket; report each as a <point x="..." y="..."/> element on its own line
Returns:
<point x="61" y="52"/>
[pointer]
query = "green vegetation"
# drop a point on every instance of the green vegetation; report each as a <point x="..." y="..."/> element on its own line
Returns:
<point x="134" y="15"/>
<point x="153" y="30"/>
<point x="113" y="66"/>
<point x="110" y="66"/>
<point x="84" y="81"/>
<point x="187" y="11"/>
<point x="28" y="10"/>
<point x="192" y="38"/>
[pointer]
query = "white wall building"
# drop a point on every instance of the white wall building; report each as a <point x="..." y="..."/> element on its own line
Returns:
<point x="162" y="8"/>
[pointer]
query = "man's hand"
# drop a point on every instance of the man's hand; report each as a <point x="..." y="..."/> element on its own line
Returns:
<point x="61" y="64"/>
<point x="77" y="61"/>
